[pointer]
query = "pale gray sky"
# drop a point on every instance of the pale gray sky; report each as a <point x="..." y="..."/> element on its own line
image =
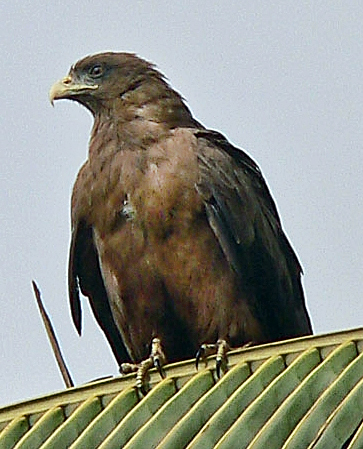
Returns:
<point x="283" y="80"/>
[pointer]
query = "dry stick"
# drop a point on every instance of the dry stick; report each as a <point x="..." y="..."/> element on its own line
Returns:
<point x="53" y="339"/>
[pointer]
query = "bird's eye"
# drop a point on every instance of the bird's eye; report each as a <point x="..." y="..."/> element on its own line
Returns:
<point x="96" y="71"/>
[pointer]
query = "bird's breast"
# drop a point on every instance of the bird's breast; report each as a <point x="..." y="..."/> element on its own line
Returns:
<point x="152" y="189"/>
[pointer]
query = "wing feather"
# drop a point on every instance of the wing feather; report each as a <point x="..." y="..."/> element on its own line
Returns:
<point x="84" y="275"/>
<point x="245" y="221"/>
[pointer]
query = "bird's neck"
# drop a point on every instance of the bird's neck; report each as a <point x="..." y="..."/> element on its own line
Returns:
<point x="128" y="125"/>
<point x="113" y="135"/>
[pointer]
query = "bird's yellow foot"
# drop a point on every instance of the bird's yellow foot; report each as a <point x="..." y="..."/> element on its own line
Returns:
<point x="156" y="360"/>
<point x="220" y="349"/>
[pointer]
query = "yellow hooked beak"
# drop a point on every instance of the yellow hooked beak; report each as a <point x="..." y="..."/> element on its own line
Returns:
<point x="66" y="89"/>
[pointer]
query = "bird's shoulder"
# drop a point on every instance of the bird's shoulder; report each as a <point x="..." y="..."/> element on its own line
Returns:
<point x="232" y="180"/>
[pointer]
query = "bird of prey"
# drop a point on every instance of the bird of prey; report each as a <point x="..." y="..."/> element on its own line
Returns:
<point x="175" y="234"/>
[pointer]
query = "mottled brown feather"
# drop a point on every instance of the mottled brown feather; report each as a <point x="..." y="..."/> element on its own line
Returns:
<point x="175" y="233"/>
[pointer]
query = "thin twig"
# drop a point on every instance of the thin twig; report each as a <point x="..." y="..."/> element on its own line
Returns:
<point x="53" y="339"/>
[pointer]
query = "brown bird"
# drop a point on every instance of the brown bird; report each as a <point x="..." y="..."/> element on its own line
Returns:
<point x="174" y="231"/>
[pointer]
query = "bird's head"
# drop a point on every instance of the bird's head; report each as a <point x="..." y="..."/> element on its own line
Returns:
<point x="122" y="83"/>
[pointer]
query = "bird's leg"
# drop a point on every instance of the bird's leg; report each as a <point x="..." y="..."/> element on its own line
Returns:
<point x="156" y="360"/>
<point x="220" y="349"/>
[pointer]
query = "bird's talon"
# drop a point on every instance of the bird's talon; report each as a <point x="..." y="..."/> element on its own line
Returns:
<point x="218" y="368"/>
<point x="159" y="367"/>
<point x="155" y="360"/>
<point x="221" y="365"/>
<point x="205" y="350"/>
<point x="199" y="356"/>
<point x="220" y="349"/>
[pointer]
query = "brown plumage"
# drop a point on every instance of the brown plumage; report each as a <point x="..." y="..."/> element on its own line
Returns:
<point x="174" y="231"/>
